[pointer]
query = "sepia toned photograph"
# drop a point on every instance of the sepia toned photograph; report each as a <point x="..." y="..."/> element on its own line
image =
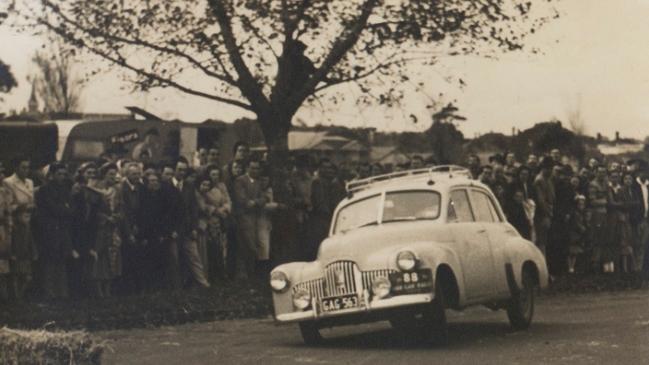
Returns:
<point x="324" y="182"/>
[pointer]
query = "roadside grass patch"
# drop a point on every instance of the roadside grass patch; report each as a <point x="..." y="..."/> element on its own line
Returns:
<point x="45" y="347"/>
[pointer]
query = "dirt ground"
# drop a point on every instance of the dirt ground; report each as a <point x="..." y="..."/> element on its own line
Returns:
<point x="610" y="328"/>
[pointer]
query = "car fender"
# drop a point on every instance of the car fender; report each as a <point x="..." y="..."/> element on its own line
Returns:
<point x="435" y="254"/>
<point x="296" y="272"/>
<point x="519" y="251"/>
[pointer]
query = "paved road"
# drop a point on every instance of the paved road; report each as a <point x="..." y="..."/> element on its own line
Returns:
<point x="585" y="329"/>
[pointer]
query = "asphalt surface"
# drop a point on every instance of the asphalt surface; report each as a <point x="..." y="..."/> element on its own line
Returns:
<point x="585" y="329"/>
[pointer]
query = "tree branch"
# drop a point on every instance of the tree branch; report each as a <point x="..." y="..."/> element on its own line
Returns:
<point x="338" y="51"/>
<point x="97" y="33"/>
<point x="361" y="75"/>
<point x="164" y="81"/>
<point x="247" y="83"/>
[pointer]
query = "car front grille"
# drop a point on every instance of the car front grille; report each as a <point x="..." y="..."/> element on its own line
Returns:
<point x="337" y="273"/>
<point x="339" y="278"/>
<point x="313" y="287"/>
<point x="369" y="276"/>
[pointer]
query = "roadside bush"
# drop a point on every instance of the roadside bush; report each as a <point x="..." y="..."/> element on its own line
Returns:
<point x="44" y="347"/>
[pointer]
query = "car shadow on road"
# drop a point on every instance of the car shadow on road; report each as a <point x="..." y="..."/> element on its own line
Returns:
<point x="461" y="335"/>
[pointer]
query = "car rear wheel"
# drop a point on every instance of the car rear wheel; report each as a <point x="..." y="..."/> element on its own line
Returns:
<point x="310" y="333"/>
<point x="520" y="308"/>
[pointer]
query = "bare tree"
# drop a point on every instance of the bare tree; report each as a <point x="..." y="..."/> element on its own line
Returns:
<point x="269" y="57"/>
<point x="55" y="85"/>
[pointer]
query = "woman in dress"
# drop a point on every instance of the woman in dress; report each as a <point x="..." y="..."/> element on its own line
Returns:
<point x="217" y="240"/>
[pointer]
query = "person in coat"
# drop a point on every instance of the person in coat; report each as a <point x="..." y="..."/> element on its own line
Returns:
<point x="577" y="232"/>
<point x="54" y="214"/>
<point x="108" y="264"/>
<point x="517" y="216"/>
<point x="250" y="199"/>
<point x="599" y="199"/>
<point x="6" y="202"/>
<point x="326" y="193"/>
<point x="88" y="206"/>
<point x="23" y="251"/>
<point x="545" y="200"/>
<point x="130" y="193"/>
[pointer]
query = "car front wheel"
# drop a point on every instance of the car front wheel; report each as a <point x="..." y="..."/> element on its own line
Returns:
<point x="520" y="308"/>
<point x="310" y="333"/>
<point x="434" y="319"/>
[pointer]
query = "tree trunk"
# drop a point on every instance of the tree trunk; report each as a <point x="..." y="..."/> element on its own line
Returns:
<point x="275" y="131"/>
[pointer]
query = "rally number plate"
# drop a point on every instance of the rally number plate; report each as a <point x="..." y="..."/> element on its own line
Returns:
<point x="339" y="303"/>
<point x="418" y="281"/>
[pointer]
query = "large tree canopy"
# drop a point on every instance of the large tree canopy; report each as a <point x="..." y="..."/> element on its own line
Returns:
<point x="269" y="57"/>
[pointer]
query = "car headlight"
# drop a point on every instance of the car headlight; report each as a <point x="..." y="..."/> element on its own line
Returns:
<point x="381" y="287"/>
<point x="278" y="281"/>
<point x="301" y="299"/>
<point x="406" y="260"/>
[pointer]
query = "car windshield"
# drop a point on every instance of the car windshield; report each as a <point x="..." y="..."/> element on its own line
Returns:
<point x="398" y="206"/>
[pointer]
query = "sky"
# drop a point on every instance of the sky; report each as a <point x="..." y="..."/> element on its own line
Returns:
<point x="594" y="60"/>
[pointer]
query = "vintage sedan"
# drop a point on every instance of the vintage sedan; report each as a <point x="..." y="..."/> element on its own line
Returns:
<point x="406" y="246"/>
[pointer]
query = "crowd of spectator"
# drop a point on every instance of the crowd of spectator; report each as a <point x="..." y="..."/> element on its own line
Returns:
<point x="127" y="227"/>
<point x="588" y="219"/>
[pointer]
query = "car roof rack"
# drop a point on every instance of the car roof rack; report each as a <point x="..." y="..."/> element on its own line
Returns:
<point x="435" y="171"/>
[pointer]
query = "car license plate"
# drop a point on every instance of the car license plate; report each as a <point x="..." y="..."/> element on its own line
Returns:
<point x="339" y="303"/>
<point x="418" y="281"/>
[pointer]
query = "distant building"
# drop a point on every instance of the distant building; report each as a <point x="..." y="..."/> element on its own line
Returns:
<point x="321" y="144"/>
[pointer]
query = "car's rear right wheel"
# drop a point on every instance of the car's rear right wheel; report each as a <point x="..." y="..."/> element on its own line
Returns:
<point x="520" y="308"/>
<point x="310" y="333"/>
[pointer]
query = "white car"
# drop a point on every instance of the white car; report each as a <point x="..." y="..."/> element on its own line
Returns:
<point x="404" y="247"/>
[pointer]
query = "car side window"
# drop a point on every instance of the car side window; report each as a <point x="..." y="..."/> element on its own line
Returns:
<point x="482" y="208"/>
<point x="459" y="208"/>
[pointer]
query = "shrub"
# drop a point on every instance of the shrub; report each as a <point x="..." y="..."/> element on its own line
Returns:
<point x="44" y="347"/>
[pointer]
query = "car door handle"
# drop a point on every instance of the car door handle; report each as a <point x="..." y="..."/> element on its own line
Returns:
<point x="482" y="230"/>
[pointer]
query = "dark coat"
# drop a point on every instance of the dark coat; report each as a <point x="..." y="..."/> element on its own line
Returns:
<point x="54" y="215"/>
<point x="517" y="217"/>
<point x="88" y="206"/>
<point x="130" y="206"/>
<point x="637" y="212"/>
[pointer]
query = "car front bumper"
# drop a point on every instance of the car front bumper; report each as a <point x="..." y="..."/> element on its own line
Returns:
<point x="367" y="306"/>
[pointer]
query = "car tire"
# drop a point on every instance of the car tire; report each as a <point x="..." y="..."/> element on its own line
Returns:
<point x="434" y="319"/>
<point x="520" y="308"/>
<point x="310" y="333"/>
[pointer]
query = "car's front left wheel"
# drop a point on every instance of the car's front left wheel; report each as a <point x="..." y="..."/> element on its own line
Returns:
<point x="435" y="327"/>
<point x="310" y="332"/>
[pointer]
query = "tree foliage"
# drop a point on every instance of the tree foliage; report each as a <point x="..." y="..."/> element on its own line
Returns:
<point x="7" y="80"/>
<point x="543" y="137"/>
<point x="445" y="139"/>
<point x="55" y="84"/>
<point x="270" y="57"/>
